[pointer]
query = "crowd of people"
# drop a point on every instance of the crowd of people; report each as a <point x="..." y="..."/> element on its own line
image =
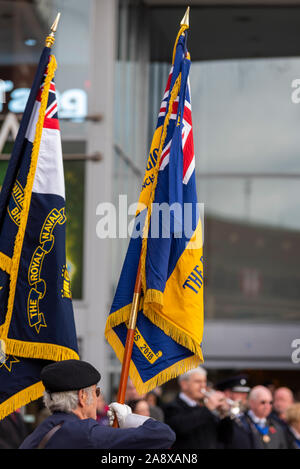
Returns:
<point x="231" y="415"/>
<point x="227" y="415"/>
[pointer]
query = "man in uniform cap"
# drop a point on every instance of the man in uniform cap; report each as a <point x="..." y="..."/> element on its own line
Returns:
<point x="71" y="396"/>
<point x="235" y="388"/>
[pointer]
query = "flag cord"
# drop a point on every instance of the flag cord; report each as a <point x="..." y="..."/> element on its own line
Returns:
<point x="181" y="31"/>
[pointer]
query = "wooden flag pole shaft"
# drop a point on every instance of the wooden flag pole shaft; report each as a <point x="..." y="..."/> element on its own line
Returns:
<point x="129" y="339"/>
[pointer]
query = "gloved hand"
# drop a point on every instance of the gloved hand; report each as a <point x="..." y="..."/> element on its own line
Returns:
<point x="125" y="417"/>
<point x="121" y="411"/>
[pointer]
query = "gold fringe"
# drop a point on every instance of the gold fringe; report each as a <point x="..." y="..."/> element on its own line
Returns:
<point x="114" y="319"/>
<point x="20" y="399"/>
<point x="155" y="316"/>
<point x="5" y="263"/>
<point x="174" y="94"/>
<point x="154" y="296"/>
<point x="173" y="331"/>
<point x="172" y="372"/>
<point x="39" y="350"/>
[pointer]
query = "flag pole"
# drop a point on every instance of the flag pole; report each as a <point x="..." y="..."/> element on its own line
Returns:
<point x="51" y="38"/>
<point x="129" y="339"/>
<point x="135" y="306"/>
<point x="130" y="335"/>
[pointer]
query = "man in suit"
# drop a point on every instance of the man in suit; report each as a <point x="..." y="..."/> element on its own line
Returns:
<point x="196" y="416"/>
<point x="255" y="429"/>
<point x="283" y="399"/>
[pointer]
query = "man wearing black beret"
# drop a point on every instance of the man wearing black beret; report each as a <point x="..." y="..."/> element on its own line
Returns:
<point x="71" y="397"/>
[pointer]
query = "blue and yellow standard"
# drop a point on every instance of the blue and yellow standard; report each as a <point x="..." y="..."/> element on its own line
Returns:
<point x="169" y="327"/>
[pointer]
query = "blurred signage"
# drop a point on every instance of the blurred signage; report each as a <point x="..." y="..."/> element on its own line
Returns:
<point x="9" y="127"/>
<point x="72" y="103"/>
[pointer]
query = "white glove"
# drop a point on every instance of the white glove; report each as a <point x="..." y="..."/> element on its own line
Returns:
<point x="125" y="417"/>
<point x="121" y="411"/>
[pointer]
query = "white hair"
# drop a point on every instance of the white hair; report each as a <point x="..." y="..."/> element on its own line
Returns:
<point x="257" y="391"/>
<point x="186" y="376"/>
<point x="65" y="401"/>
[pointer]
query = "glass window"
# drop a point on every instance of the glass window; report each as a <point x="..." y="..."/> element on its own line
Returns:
<point x="247" y="142"/>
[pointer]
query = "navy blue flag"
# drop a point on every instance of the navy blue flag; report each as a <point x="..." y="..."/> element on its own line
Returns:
<point x="36" y="311"/>
<point x="19" y="382"/>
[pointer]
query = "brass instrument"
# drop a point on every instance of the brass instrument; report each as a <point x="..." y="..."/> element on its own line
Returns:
<point x="235" y="407"/>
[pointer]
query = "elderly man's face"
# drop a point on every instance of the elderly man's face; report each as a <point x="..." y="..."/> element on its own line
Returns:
<point x="262" y="404"/>
<point x="194" y="385"/>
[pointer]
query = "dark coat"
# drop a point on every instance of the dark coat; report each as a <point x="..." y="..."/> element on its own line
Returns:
<point x="13" y="430"/>
<point x="88" y="434"/>
<point x="196" y="427"/>
<point x="246" y="436"/>
<point x="291" y="440"/>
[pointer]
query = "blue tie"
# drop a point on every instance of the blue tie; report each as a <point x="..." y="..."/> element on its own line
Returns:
<point x="262" y="430"/>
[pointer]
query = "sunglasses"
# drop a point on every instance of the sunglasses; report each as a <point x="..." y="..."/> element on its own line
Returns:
<point x="266" y="402"/>
<point x="98" y="392"/>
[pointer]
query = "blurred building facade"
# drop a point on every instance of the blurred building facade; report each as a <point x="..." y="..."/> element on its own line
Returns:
<point x="113" y="61"/>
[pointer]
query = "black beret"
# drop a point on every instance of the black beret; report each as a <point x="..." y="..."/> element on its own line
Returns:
<point x="69" y="375"/>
